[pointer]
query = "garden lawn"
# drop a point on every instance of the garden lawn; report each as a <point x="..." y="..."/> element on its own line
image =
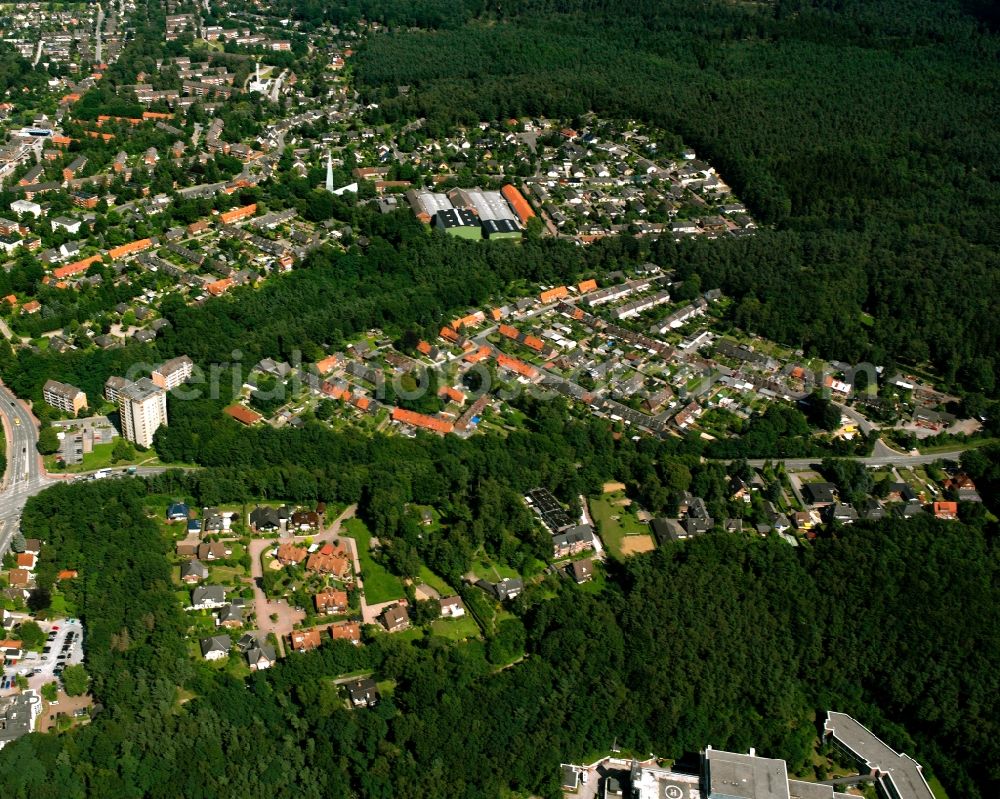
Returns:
<point x="456" y="629"/>
<point x="379" y="585"/>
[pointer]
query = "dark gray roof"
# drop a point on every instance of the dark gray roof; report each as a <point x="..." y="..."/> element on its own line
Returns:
<point x="217" y="643"/>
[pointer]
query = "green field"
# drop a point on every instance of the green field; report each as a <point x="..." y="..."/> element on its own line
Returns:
<point x="613" y="530"/>
<point x="428" y="577"/>
<point x="486" y="569"/>
<point x="456" y="629"/>
<point x="380" y="586"/>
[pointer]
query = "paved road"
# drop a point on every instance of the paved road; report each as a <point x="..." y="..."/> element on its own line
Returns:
<point x="25" y="476"/>
<point x="871" y="461"/>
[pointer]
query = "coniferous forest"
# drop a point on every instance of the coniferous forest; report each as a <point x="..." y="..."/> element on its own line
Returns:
<point x="865" y="132"/>
<point x="722" y="639"/>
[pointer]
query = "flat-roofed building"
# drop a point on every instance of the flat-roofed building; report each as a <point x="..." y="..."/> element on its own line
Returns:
<point x="113" y="387"/>
<point x="67" y="398"/>
<point x="142" y="406"/>
<point x="897" y="776"/>
<point x="730" y="775"/>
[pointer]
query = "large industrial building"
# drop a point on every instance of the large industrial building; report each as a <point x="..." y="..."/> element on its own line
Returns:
<point x="490" y="212"/>
<point x="458" y="222"/>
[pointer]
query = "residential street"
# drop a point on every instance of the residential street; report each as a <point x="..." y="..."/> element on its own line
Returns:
<point x="288" y="616"/>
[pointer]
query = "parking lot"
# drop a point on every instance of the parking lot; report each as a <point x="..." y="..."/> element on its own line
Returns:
<point x="63" y="647"/>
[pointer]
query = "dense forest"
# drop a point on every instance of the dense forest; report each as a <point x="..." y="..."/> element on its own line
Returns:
<point x="720" y="640"/>
<point x="863" y="132"/>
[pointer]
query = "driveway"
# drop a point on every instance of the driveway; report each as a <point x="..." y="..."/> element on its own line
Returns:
<point x="288" y="616"/>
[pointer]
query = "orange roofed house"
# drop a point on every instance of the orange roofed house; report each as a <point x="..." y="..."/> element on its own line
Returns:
<point x="331" y="601"/>
<point x="26" y="560"/>
<point x="76" y="267"/>
<point x="330" y="559"/>
<point x="130" y="248"/>
<point x="238" y="213"/>
<point x="946" y="510"/>
<point x="346" y="631"/>
<point x="422" y="420"/>
<point x="305" y="640"/>
<point x="554" y="294"/>
<point x="289" y="554"/>
<point x="516" y="366"/>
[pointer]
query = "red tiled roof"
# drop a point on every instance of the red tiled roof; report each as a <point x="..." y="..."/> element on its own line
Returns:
<point x="518" y="203"/>
<point x="553" y="294"/>
<point x="422" y="420"/>
<point x="242" y="414"/>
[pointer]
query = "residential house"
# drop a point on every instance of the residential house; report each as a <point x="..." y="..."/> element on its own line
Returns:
<point x="215" y="551"/>
<point x="820" y="493"/>
<point x="395" y="618"/>
<point x="208" y="597"/>
<point x="330" y="559"/>
<point x="582" y="571"/>
<point x="305" y="520"/>
<point x="290" y="555"/>
<point x="346" y="631"/>
<point x="331" y="600"/>
<point x="261" y="657"/>
<point x="216" y="647"/>
<point x="19" y="578"/>
<point x="362" y="692"/>
<point x="231" y="615"/>
<point x="264" y="519"/>
<point x="193" y="571"/>
<point x="573" y="541"/>
<point x="177" y="511"/>
<point x="843" y="513"/>
<point x="507" y="588"/>
<point x="946" y="510"/>
<point x="26" y="560"/>
<point x="452" y="607"/>
<point x="305" y="640"/>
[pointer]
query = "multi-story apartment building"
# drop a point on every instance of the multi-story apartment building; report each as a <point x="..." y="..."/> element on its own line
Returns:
<point x="172" y="373"/>
<point x="67" y="398"/>
<point x="142" y="406"/>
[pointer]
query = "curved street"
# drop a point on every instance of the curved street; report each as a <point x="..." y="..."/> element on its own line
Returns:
<point x="287" y="616"/>
<point x="25" y="475"/>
